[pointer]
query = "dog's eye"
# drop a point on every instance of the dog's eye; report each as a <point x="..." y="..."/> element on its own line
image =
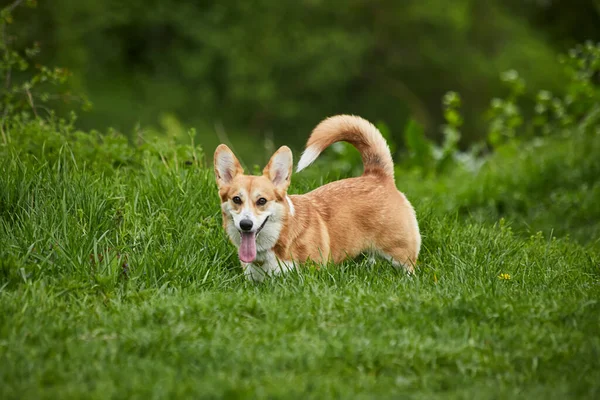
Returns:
<point x="261" y="202"/>
<point x="237" y="200"/>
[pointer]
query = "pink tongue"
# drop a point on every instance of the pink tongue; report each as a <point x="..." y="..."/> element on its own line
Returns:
<point x="247" y="250"/>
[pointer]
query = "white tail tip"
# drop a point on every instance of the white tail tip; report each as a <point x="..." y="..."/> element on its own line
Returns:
<point x="310" y="154"/>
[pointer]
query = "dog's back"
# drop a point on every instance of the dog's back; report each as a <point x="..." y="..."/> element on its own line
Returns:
<point x="366" y="212"/>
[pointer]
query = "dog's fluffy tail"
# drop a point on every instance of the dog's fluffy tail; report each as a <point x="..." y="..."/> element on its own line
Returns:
<point x="357" y="131"/>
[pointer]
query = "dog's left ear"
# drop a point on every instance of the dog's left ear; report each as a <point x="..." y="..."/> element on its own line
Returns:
<point x="279" y="168"/>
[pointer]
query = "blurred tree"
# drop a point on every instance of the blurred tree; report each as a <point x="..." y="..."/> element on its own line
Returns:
<point x="279" y="67"/>
<point x="564" y="23"/>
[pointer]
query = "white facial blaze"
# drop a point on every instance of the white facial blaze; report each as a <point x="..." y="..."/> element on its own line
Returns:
<point x="268" y="235"/>
<point x="244" y="213"/>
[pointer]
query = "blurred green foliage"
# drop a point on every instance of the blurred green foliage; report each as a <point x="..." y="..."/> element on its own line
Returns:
<point x="269" y="71"/>
<point x="27" y="90"/>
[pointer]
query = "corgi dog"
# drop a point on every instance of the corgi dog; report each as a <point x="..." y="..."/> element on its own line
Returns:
<point x="274" y="232"/>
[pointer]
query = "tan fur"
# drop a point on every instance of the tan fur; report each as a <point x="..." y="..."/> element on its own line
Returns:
<point x="333" y="222"/>
<point x="361" y="134"/>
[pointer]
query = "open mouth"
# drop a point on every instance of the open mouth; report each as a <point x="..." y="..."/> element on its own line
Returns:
<point x="262" y="226"/>
<point x="247" y="250"/>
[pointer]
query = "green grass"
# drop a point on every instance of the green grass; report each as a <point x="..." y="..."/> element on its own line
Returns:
<point x="120" y="282"/>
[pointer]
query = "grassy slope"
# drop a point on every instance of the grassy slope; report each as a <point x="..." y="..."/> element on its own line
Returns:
<point x="184" y="322"/>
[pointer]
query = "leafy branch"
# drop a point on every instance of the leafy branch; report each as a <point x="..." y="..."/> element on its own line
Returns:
<point x="34" y="87"/>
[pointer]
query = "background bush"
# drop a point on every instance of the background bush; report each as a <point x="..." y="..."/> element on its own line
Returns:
<point x="271" y="70"/>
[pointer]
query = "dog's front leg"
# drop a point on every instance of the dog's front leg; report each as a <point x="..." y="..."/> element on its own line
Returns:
<point x="254" y="272"/>
<point x="268" y="265"/>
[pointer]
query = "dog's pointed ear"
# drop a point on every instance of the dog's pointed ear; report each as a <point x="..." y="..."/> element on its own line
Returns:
<point x="279" y="168"/>
<point x="227" y="165"/>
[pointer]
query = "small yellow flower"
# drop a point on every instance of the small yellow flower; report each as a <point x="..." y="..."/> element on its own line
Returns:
<point x="504" y="276"/>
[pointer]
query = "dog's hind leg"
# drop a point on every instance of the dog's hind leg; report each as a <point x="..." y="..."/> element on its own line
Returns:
<point x="401" y="257"/>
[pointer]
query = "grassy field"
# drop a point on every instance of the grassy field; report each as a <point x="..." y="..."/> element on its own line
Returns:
<point x="118" y="282"/>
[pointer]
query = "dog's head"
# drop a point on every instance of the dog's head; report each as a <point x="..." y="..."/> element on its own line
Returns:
<point x="253" y="207"/>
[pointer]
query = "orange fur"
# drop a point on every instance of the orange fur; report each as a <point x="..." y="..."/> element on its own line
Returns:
<point x="339" y="220"/>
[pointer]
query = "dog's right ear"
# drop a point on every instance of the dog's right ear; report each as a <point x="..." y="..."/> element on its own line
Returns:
<point x="227" y="165"/>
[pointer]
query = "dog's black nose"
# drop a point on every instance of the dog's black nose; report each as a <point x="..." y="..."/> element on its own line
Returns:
<point x="246" y="224"/>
